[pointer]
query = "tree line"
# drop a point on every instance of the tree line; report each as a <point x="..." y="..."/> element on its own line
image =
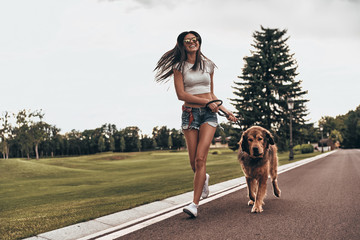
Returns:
<point x="30" y="136"/>
<point x="343" y="128"/>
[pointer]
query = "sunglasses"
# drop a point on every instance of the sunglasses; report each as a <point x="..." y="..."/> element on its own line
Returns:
<point x="191" y="40"/>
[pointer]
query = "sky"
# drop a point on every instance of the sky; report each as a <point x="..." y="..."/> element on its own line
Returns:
<point x="90" y="62"/>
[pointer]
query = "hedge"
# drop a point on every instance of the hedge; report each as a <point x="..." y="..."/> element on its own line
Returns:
<point x="303" y="148"/>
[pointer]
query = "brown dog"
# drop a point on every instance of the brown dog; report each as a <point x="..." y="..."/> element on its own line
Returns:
<point x="258" y="159"/>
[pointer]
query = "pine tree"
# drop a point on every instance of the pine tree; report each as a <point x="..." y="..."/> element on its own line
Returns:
<point x="267" y="81"/>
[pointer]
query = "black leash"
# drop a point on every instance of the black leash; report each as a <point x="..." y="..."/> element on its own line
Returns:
<point x="221" y="112"/>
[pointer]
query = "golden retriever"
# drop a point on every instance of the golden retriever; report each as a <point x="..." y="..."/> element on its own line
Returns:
<point x="258" y="159"/>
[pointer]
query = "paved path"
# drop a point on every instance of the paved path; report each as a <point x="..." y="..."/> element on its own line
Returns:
<point x="319" y="201"/>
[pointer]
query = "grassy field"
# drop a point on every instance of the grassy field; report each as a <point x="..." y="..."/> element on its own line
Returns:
<point x="41" y="195"/>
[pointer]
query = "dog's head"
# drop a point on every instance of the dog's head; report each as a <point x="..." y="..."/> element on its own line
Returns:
<point x="255" y="141"/>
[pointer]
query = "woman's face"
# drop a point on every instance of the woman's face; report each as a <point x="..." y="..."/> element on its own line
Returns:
<point x="191" y="43"/>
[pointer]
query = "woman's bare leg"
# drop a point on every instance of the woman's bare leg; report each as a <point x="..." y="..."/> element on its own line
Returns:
<point x="206" y="134"/>
<point x="191" y="137"/>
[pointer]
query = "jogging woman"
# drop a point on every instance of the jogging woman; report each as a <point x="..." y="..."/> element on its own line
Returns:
<point x="193" y="78"/>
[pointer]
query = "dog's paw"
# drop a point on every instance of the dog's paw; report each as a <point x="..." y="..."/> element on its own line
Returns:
<point x="277" y="192"/>
<point x="250" y="203"/>
<point x="257" y="209"/>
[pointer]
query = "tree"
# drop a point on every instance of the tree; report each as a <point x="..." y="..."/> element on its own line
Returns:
<point x="109" y="130"/>
<point x="38" y="130"/>
<point x="328" y="124"/>
<point x="343" y="128"/>
<point x="122" y="144"/>
<point x="22" y="132"/>
<point x="170" y="142"/>
<point x="73" y="144"/>
<point x="101" y="144"/>
<point x="89" y="143"/>
<point x="351" y="131"/>
<point x="5" y="134"/>
<point x="308" y="133"/>
<point x="146" y="143"/>
<point x="161" y="136"/>
<point x="131" y="137"/>
<point x="54" y="139"/>
<point x="177" y="138"/>
<point x="267" y="82"/>
<point x="336" y="136"/>
<point x="223" y="131"/>
<point x="154" y="145"/>
<point x="112" y="143"/>
<point x="138" y="144"/>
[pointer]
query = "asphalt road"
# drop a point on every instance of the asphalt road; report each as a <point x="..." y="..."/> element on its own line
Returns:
<point x="320" y="200"/>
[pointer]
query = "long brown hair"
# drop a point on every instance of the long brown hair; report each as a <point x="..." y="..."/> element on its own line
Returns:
<point x="176" y="55"/>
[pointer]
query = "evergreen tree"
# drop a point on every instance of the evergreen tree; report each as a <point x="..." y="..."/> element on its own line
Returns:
<point x="267" y="81"/>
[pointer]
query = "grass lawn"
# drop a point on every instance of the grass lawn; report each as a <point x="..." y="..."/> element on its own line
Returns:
<point x="37" y="196"/>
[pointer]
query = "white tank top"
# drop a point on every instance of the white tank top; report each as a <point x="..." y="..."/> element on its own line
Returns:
<point x="198" y="81"/>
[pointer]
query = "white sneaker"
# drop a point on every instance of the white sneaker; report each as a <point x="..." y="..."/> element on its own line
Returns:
<point x="191" y="209"/>
<point x="205" y="191"/>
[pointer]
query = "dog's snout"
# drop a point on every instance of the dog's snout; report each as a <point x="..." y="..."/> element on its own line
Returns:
<point x="256" y="151"/>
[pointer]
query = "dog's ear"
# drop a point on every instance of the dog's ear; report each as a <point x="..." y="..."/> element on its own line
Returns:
<point x="269" y="137"/>
<point x="244" y="143"/>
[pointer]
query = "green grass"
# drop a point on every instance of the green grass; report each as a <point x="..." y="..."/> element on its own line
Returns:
<point x="41" y="195"/>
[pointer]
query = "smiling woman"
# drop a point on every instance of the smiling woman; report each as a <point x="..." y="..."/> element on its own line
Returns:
<point x="193" y="78"/>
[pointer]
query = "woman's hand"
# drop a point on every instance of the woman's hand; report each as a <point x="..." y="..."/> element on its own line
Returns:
<point x="213" y="107"/>
<point x="231" y="117"/>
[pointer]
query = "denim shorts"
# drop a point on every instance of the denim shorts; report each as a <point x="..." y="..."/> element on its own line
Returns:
<point x="193" y="118"/>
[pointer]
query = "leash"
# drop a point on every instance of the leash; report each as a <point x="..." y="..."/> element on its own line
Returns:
<point x="221" y="112"/>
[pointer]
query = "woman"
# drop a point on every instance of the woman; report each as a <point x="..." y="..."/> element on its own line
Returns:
<point x="193" y="79"/>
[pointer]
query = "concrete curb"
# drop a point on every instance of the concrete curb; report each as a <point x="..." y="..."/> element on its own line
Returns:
<point x="107" y="227"/>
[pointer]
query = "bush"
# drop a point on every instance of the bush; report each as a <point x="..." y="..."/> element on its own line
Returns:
<point x="307" y="148"/>
<point x="304" y="148"/>
<point x="297" y="149"/>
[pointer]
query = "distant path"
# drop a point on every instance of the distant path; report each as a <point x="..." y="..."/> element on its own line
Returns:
<point x="320" y="200"/>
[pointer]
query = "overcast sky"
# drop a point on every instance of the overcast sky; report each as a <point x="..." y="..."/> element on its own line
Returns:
<point x="90" y="62"/>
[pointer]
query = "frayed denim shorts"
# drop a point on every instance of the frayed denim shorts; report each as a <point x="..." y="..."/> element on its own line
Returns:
<point x="193" y="118"/>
